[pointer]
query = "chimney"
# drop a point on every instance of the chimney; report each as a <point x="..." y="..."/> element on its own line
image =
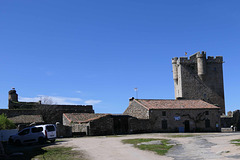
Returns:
<point x="131" y="99"/>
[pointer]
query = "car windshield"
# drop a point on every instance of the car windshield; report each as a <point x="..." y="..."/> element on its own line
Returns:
<point x="50" y="128"/>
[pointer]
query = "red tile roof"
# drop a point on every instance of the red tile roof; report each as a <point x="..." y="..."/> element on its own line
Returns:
<point x="82" y="117"/>
<point x="175" y="104"/>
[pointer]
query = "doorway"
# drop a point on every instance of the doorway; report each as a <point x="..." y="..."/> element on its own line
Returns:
<point x="120" y="124"/>
<point x="187" y="126"/>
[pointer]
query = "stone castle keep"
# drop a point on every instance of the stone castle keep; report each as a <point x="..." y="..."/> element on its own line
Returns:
<point x="199" y="78"/>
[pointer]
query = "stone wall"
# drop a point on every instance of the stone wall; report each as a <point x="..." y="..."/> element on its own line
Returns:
<point x="194" y="88"/>
<point x="72" y="108"/>
<point x="226" y="121"/>
<point x="136" y="110"/>
<point x="16" y="112"/>
<point x="177" y="118"/>
<point x="101" y="126"/>
<point x="37" y="105"/>
<point x="80" y="129"/>
<point x="236" y="119"/>
<point x="139" y="125"/>
<point x="63" y="131"/>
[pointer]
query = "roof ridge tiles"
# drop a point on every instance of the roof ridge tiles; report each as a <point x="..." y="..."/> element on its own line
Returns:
<point x="175" y="104"/>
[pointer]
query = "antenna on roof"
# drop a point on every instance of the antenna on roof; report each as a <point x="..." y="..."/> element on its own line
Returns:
<point x="136" y="90"/>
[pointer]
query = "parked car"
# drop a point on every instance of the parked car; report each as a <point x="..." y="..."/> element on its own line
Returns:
<point x="39" y="133"/>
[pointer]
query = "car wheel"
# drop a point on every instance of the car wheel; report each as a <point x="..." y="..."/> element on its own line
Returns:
<point x="52" y="141"/>
<point x="17" y="142"/>
<point x="41" y="140"/>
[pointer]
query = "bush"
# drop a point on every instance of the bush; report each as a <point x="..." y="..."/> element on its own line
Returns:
<point x="5" y="123"/>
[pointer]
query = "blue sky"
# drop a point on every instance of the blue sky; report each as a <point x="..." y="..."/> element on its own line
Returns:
<point x="97" y="52"/>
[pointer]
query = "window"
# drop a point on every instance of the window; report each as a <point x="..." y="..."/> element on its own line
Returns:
<point x="35" y="130"/>
<point x="207" y="113"/>
<point x="163" y="113"/>
<point x="207" y="123"/>
<point x="164" y="124"/>
<point x="24" y="132"/>
<point x="50" y="128"/>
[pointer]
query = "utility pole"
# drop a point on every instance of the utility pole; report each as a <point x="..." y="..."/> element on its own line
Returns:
<point x="136" y="90"/>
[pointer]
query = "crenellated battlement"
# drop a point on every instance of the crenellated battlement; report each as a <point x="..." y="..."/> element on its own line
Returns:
<point x="174" y="60"/>
<point x="217" y="59"/>
<point x="193" y="59"/>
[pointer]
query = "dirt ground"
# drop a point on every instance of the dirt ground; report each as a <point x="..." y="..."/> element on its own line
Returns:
<point x="198" y="147"/>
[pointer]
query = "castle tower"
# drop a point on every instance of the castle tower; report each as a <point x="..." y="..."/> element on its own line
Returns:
<point x="199" y="78"/>
<point x="12" y="97"/>
<point x="201" y="65"/>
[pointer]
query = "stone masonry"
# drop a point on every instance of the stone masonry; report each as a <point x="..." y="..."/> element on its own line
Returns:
<point x="199" y="78"/>
<point x="171" y="115"/>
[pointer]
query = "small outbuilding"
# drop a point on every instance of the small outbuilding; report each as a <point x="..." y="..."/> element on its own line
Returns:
<point x="96" y="124"/>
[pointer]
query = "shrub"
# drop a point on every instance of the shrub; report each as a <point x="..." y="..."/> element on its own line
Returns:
<point x="5" y="123"/>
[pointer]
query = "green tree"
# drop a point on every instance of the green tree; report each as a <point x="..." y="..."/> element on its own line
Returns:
<point x="5" y="123"/>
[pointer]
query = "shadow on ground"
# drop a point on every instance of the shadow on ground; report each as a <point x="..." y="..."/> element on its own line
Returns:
<point x="29" y="151"/>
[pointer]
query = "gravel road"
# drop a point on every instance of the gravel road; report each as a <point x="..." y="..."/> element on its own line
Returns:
<point x="200" y="146"/>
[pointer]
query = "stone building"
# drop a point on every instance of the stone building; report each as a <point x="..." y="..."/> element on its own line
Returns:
<point x="96" y="124"/>
<point x="174" y="115"/>
<point x="199" y="78"/>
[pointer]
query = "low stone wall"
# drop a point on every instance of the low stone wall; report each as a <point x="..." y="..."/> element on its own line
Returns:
<point x="226" y="130"/>
<point x="139" y="125"/>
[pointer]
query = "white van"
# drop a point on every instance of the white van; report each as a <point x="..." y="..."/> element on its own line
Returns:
<point x="39" y="133"/>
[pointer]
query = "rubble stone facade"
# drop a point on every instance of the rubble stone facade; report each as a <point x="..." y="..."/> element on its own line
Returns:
<point x="173" y="116"/>
<point x="199" y="78"/>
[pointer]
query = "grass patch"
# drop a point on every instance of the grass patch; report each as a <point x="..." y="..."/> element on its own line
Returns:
<point x="160" y="149"/>
<point x="59" y="153"/>
<point x="236" y="142"/>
